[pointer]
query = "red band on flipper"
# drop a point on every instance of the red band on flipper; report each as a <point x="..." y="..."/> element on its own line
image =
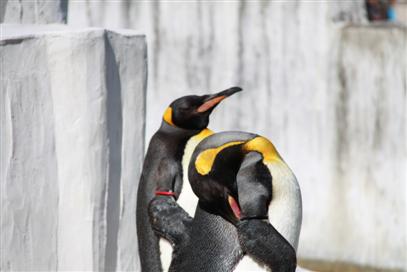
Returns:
<point x="164" y="193"/>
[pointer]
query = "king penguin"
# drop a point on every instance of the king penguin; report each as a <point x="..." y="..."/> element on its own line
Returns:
<point x="184" y="121"/>
<point x="249" y="213"/>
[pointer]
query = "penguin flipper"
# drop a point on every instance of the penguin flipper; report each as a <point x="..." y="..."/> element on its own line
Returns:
<point x="264" y="243"/>
<point x="169" y="220"/>
<point x="257" y="236"/>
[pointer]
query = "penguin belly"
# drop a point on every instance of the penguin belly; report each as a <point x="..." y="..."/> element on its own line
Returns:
<point x="165" y="254"/>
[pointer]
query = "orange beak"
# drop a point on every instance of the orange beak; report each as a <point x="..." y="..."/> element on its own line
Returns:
<point x="215" y="99"/>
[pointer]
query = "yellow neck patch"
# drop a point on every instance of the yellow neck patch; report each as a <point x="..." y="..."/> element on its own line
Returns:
<point x="205" y="159"/>
<point x="264" y="147"/>
<point x="206" y="132"/>
<point x="168" y="116"/>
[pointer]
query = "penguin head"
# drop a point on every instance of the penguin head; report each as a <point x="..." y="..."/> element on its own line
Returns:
<point x="192" y="112"/>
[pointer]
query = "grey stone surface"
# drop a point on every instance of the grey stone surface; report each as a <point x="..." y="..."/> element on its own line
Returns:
<point x="33" y="11"/>
<point x="368" y="181"/>
<point x="72" y="141"/>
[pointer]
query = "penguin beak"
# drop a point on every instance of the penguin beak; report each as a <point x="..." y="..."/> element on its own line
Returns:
<point x="211" y="101"/>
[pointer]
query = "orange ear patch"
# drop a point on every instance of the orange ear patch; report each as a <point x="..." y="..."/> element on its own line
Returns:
<point x="210" y="103"/>
<point x="234" y="206"/>
<point x="168" y="116"/>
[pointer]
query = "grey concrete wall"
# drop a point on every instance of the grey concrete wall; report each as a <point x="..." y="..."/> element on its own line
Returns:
<point x="368" y="182"/>
<point x="72" y="135"/>
<point x="33" y="11"/>
<point x="196" y="47"/>
<point x="332" y="99"/>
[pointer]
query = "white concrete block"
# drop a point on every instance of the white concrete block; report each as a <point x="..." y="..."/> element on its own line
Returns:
<point x="367" y="209"/>
<point x="349" y="152"/>
<point x="72" y="141"/>
<point x="33" y="11"/>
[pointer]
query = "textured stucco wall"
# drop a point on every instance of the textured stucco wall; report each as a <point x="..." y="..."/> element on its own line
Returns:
<point x="332" y="99"/>
<point x="33" y="11"/>
<point x="369" y="179"/>
<point x="72" y="141"/>
<point x="201" y="46"/>
<point x="312" y="86"/>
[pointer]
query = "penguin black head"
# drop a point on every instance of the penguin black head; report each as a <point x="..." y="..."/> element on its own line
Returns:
<point x="192" y="111"/>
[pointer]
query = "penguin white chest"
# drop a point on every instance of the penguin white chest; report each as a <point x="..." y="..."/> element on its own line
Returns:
<point x="285" y="210"/>
<point x="187" y="199"/>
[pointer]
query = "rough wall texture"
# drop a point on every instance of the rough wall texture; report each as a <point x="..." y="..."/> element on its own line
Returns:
<point x="33" y="11"/>
<point x="368" y="182"/>
<point x="72" y="140"/>
<point x="198" y="46"/>
<point x="333" y="103"/>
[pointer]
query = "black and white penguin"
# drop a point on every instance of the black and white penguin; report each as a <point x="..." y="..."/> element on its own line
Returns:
<point x="249" y="213"/>
<point x="184" y="124"/>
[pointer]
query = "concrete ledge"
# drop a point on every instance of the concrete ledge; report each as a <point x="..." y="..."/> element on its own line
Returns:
<point x="72" y="143"/>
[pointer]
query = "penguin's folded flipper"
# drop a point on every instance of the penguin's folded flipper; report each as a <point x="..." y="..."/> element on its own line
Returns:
<point x="264" y="243"/>
<point x="169" y="220"/>
<point x="257" y="236"/>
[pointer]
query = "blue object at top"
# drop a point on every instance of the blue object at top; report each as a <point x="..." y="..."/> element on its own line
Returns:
<point x="391" y="14"/>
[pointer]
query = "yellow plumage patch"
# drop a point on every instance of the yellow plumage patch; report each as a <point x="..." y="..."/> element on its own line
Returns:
<point x="203" y="134"/>
<point x="264" y="147"/>
<point x="205" y="159"/>
<point x="168" y="116"/>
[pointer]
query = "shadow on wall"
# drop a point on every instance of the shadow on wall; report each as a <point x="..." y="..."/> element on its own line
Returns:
<point x="3" y="5"/>
<point x="115" y="134"/>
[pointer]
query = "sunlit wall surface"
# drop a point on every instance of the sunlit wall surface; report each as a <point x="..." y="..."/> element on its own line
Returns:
<point x="325" y="85"/>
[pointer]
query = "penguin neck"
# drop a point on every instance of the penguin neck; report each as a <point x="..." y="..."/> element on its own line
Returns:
<point x="177" y="132"/>
<point x="175" y="139"/>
